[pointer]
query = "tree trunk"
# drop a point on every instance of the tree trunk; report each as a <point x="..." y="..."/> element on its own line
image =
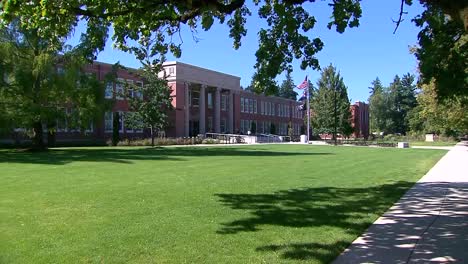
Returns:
<point x="51" y="126"/>
<point x="152" y="136"/>
<point x="38" y="138"/>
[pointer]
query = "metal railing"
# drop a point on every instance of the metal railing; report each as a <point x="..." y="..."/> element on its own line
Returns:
<point x="226" y="138"/>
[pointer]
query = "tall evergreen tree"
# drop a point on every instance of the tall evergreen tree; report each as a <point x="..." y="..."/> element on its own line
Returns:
<point x="403" y="99"/>
<point x="377" y="106"/>
<point x="376" y="86"/>
<point x="331" y="93"/>
<point x="286" y="89"/>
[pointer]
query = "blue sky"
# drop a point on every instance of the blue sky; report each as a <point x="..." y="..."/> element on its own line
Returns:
<point x="360" y="54"/>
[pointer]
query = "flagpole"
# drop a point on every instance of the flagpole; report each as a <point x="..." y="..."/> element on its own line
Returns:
<point x="308" y="113"/>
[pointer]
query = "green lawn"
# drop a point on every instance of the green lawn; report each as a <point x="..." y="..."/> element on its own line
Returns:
<point x="250" y="204"/>
<point x="435" y="143"/>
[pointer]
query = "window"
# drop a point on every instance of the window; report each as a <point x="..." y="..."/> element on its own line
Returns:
<point x="119" y="88"/>
<point x="210" y="100"/>
<point x="223" y="125"/>
<point x="195" y="97"/>
<point x="130" y="88"/>
<point x="223" y="102"/>
<point x="60" y="71"/>
<point x="108" y="121"/>
<point x="210" y="124"/>
<point x="62" y="122"/>
<point x="273" y="109"/>
<point x="242" y="105"/>
<point x="72" y="120"/>
<point x="90" y="127"/>
<point x="139" y="92"/>
<point x="109" y="90"/>
<point x="255" y="106"/>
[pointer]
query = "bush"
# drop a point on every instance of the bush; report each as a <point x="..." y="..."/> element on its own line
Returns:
<point x="164" y="141"/>
<point x="210" y="141"/>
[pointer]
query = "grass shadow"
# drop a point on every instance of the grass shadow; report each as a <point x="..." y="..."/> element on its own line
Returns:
<point x="63" y="156"/>
<point x="345" y="208"/>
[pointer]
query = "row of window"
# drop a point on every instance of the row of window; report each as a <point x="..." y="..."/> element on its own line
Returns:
<point x="194" y="99"/>
<point x="128" y="128"/>
<point x="267" y="127"/>
<point x="119" y="89"/>
<point x="249" y="105"/>
<point x="70" y="122"/>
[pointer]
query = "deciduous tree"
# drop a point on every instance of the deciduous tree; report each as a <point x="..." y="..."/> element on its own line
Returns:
<point x="41" y="80"/>
<point x="151" y="109"/>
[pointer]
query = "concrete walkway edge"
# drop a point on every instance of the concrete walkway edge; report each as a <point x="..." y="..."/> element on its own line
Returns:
<point x="429" y="224"/>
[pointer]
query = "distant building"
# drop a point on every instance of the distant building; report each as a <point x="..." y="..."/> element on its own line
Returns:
<point x="203" y="100"/>
<point x="360" y="119"/>
<point x="210" y="101"/>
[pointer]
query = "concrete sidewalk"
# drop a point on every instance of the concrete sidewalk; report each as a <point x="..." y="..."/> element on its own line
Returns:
<point x="429" y="224"/>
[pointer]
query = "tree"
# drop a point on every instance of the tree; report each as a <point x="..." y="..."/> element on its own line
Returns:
<point x="152" y="108"/>
<point x="440" y="116"/>
<point x="378" y="106"/>
<point x="376" y="87"/>
<point x="442" y="48"/>
<point x="43" y="83"/>
<point x="156" y="25"/>
<point x="330" y="104"/>
<point x="286" y="89"/>
<point x="402" y="100"/>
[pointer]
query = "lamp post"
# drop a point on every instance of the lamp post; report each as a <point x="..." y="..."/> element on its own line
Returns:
<point x="334" y="104"/>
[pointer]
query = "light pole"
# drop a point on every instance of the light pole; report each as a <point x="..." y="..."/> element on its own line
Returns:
<point x="334" y="104"/>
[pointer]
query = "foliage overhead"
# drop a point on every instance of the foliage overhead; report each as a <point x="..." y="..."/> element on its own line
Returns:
<point x="443" y="49"/>
<point x="150" y="29"/>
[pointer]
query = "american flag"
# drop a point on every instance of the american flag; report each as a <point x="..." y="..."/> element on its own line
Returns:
<point x="304" y="84"/>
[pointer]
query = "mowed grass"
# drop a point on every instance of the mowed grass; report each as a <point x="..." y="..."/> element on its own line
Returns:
<point x="434" y="143"/>
<point x="248" y="204"/>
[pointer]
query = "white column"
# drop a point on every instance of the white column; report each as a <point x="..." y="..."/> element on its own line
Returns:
<point x="202" y="109"/>
<point x="217" y="113"/>
<point x="187" y="111"/>
<point x="231" y="112"/>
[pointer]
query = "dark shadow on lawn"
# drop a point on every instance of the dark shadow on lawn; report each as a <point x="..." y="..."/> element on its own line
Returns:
<point x="127" y="155"/>
<point x="345" y="208"/>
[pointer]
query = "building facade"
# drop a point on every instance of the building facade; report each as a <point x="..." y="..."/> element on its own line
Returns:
<point x="204" y="101"/>
<point x="360" y="119"/>
<point x="207" y="101"/>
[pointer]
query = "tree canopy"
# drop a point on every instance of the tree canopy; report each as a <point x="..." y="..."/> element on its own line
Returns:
<point x="330" y="94"/>
<point x="42" y="87"/>
<point x="150" y="30"/>
<point x="286" y="89"/>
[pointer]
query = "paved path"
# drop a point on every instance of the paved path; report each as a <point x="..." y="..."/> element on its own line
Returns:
<point x="429" y="224"/>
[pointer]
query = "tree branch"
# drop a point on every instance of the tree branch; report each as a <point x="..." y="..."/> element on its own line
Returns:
<point x="400" y="18"/>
